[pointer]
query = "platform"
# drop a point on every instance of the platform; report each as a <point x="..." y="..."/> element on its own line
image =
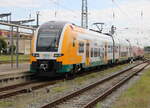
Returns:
<point x="6" y="68"/>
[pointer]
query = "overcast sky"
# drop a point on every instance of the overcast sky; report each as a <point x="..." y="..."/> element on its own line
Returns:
<point x="133" y="14"/>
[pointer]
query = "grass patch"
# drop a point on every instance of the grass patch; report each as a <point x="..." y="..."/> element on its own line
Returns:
<point x="4" y="104"/>
<point x="83" y="79"/>
<point x="98" y="105"/>
<point x="147" y="55"/>
<point x="60" y="89"/>
<point x="138" y="96"/>
<point x="6" y="58"/>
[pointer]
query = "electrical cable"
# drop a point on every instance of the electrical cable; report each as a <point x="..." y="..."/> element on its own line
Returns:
<point x="68" y="9"/>
<point x="123" y="12"/>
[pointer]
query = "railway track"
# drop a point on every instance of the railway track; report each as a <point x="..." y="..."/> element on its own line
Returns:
<point x="93" y="93"/>
<point x="17" y="89"/>
<point x="7" y="62"/>
<point x="16" y="79"/>
<point x="13" y="90"/>
<point x="12" y="76"/>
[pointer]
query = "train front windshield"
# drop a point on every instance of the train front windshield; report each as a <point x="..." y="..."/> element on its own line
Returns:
<point x="48" y="40"/>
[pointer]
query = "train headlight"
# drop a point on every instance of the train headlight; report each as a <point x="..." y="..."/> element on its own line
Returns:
<point x="35" y="54"/>
<point x="58" y="55"/>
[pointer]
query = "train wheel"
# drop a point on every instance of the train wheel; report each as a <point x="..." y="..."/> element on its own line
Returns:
<point x="69" y="76"/>
<point x="76" y="69"/>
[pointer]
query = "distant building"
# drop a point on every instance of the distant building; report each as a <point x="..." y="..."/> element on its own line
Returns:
<point x="147" y="52"/>
<point x="147" y="49"/>
<point x="24" y="41"/>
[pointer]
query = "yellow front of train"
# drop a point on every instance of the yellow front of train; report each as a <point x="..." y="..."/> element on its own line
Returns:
<point x="54" y="49"/>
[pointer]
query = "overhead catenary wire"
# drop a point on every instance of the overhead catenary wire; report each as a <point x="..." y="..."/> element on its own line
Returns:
<point x="139" y="24"/>
<point x="113" y="14"/>
<point x="66" y="8"/>
<point x="132" y="20"/>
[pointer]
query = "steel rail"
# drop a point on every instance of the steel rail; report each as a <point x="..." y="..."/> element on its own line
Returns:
<point x="78" y="92"/>
<point x="16" y="85"/>
<point x="12" y="91"/>
<point x="11" y="76"/>
<point x="116" y="86"/>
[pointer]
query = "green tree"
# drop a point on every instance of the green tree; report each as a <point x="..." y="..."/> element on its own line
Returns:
<point x="13" y="48"/>
<point x="3" y="45"/>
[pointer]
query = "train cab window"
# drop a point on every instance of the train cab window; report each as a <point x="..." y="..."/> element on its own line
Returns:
<point x="48" y="40"/>
<point x="48" y="36"/>
<point x="81" y="47"/>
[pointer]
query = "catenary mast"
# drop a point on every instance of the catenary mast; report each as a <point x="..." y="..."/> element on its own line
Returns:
<point x="84" y="14"/>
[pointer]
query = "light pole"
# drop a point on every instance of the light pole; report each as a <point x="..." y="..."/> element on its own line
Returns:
<point x="113" y="46"/>
<point x="111" y="33"/>
<point x="84" y="14"/>
<point x="130" y="46"/>
<point x="37" y="18"/>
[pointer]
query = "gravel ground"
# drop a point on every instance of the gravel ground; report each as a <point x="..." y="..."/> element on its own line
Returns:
<point x="112" y="99"/>
<point x="84" y="98"/>
<point x="6" y="68"/>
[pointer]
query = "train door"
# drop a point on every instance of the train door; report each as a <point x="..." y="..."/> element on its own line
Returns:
<point x="87" y="53"/>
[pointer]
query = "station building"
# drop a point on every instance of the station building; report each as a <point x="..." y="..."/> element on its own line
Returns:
<point x="24" y="40"/>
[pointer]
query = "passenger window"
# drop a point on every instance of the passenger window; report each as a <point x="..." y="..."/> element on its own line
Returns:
<point x="99" y="52"/>
<point x="73" y="43"/>
<point x="91" y="52"/>
<point x="95" y="52"/>
<point x="81" y="47"/>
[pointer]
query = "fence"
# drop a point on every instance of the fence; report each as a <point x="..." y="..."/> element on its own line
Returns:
<point x="18" y="43"/>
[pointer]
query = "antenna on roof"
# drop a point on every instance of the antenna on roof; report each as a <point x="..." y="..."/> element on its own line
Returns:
<point x="99" y="25"/>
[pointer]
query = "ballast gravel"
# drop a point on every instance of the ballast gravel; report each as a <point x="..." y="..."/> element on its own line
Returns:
<point x="112" y="99"/>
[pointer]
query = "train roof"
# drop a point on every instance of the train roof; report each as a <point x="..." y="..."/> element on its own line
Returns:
<point x="97" y="35"/>
<point x="51" y="24"/>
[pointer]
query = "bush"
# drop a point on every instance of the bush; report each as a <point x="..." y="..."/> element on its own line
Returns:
<point x="13" y="48"/>
<point x="3" y="45"/>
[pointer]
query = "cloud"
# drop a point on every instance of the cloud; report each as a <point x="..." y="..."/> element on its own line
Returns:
<point x="127" y="15"/>
<point x="61" y="15"/>
<point x="28" y="3"/>
<point x="19" y="3"/>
